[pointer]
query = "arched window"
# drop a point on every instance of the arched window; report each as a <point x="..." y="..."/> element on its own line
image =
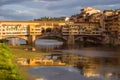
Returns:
<point x="48" y="30"/>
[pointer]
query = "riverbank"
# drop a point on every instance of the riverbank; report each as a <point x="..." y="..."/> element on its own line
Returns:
<point x="8" y="70"/>
<point x="26" y="52"/>
<point x="21" y="52"/>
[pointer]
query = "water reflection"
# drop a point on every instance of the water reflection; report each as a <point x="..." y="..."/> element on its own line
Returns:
<point x="46" y="45"/>
<point x="94" y="64"/>
<point x="103" y="72"/>
<point x="16" y="41"/>
<point x="57" y="73"/>
<point x="91" y="63"/>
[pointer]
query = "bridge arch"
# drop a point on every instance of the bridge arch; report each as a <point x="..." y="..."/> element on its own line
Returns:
<point x="96" y="39"/>
<point x="79" y="38"/>
<point x="25" y="38"/>
<point x="20" y="37"/>
<point x="64" y="39"/>
<point x="48" y="30"/>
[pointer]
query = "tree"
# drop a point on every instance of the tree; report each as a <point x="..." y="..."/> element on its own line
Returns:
<point x="8" y="71"/>
<point x="3" y="41"/>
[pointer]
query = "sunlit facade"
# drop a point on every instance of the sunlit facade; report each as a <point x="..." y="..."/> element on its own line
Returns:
<point x="112" y="26"/>
<point x="82" y="28"/>
<point x="24" y="28"/>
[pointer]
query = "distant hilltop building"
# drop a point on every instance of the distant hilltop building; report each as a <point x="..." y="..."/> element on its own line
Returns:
<point x="89" y="10"/>
<point x="108" y="20"/>
<point x="67" y="19"/>
<point x="87" y="14"/>
<point x="108" y="12"/>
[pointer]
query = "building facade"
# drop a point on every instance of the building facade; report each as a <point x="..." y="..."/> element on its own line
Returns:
<point x="112" y="26"/>
<point x="19" y="28"/>
<point x="82" y="28"/>
<point x="108" y="24"/>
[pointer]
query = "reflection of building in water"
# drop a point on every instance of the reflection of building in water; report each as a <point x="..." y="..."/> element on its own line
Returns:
<point x="94" y="66"/>
<point x="75" y="59"/>
<point x="47" y="45"/>
<point x="47" y="48"/>
<point x="40" y="62"/>
<point x="91" y="73"/>
<point x="87" y="61"/>
<point x="108" y="72"/>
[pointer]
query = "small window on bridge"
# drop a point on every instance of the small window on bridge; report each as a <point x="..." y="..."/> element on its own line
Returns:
<point x="55" y="25"/>
<point x="48" y="24"/>
<point x="48" y="30"/>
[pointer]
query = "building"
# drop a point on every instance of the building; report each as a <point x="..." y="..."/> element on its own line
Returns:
<point x="19" y="28"/>
<point x="87" y="14"/>
<point x="82" y="28"/>
<point x="106" y="23"/>
<point x="112" y="26"/>
<point x="86" y="23"/>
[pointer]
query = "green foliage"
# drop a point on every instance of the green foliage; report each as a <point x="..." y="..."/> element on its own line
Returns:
<point x="50" y="19"/>
<point x="3" y="41"/>
<point x="8" y="71"/>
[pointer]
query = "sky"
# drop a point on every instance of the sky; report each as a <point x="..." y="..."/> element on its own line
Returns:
<point x="32" y="9"/>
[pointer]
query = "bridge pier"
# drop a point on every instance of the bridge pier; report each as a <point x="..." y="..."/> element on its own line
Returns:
<point x="84" y="41"/>
<point x="31" y="41"/>
<point x="71" y="40"/>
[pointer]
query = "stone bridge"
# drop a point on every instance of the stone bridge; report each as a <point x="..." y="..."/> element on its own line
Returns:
<point x="57" y="33"/>
<point x="60" y="36"/>
<point x="30" y="31"/>
<point x="30" y="39"/>
<point x="91" y="38"/>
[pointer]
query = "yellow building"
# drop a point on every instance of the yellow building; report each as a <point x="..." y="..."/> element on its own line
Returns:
<point x="10" y="28"/>
<point x="35" y="29"/>
<point x="83" y="28"/>
<point x="112" y="26"/>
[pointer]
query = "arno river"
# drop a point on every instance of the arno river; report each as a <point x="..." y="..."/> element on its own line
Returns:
<point x="90" y="63"/>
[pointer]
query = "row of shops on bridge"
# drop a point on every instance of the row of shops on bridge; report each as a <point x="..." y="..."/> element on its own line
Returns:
<point x="19" y="28"/>
<point x="24" y="29"/>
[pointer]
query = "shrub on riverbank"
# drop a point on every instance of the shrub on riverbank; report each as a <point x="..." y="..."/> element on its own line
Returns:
<point x="8" y="71"/>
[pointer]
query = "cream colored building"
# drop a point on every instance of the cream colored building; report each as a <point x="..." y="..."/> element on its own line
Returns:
<point x="112" y="26"/>
<point x="82" y="28"/>
<point x="19" y="28"/>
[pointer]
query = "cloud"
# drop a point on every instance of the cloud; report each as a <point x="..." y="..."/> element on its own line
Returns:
<point x="7" y="2"/>
<point x="15" y="14"/>
<point x="111" y="6"/>
<point x="80" y="3"/>
<point x="30" y="9"/>
<point x="49" y="0"/>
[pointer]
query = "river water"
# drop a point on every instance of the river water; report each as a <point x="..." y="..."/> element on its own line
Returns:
<point x="87" y="63"/>
<point x="91" y="63"/>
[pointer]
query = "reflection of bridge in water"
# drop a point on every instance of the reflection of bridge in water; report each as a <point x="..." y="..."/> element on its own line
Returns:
<point x="40" y="62"/>
<point x="93" y="65"/>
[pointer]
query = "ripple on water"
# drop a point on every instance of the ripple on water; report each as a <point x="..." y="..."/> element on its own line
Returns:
<point x="40" y="79"/>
